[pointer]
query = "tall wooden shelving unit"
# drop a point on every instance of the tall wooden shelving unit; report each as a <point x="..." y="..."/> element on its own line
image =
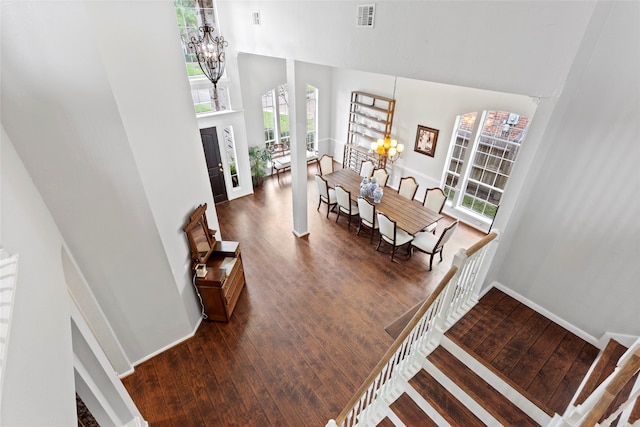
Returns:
<point x="370" y="118"/>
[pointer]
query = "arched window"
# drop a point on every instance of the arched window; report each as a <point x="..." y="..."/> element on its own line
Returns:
<point x="275" y="113"/>
<point x="481" y="159"/>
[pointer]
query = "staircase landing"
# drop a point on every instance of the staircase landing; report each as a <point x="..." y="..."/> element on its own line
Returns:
<point x="499" y="348"/>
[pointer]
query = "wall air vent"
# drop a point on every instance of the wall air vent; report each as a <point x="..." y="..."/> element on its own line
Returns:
<point x="366" y="15"/>
<point x="255" y="17"/>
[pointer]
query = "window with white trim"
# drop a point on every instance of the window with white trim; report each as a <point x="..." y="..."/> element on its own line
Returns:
<point x="190" y="16"/>
<point x="481" y="159"/>
<point x="275" y="113"/>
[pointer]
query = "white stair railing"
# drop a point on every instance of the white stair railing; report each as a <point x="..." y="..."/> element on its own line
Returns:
<point x="8" y="278"/>
<point x="456" y="293"/>
<point x="595" y="406"/>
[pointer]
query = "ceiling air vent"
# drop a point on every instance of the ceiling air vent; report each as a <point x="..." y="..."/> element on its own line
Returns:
<point x="366" y="14"/>
<point x="255" y="17"/>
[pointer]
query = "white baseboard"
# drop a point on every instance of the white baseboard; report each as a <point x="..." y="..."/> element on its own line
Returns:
<point x="167" y="347"/>
<point x="553" y="317"/>
<point x="300" y="235"/>
<point x="625" y="340"/>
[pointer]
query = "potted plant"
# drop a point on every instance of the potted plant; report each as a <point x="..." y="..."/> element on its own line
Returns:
<point x="258" y="159"/>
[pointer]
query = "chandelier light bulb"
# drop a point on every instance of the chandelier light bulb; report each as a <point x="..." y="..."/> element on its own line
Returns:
<point x="400" y="148"/>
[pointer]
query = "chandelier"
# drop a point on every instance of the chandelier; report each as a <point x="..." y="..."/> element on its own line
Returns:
<point x="387" y="148"/>
<point x="209" y="51"/>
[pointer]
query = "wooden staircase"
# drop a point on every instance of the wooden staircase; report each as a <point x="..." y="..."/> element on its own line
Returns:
<point x="460" y="361"/>
<point x="500" y="364"/>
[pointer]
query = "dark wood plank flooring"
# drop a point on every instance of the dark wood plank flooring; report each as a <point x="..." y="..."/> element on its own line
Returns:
<point x="536" y="356"/>
<point x="307" y="330"/>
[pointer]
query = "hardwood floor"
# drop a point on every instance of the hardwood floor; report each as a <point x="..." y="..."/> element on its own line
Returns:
<point x="536" y="356"/>
<point x="307" y="329"/>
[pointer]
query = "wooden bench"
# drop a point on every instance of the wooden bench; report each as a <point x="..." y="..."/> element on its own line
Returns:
<point x="281" y="159"/>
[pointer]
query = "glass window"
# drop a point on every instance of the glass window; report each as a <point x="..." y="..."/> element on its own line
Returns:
<point x="495" y="147"/>
<point x="312" y="122"/>
<point x="190" y="16"/>
<point x="276" y="117"/>
<point x="269" y="115"/>
<point x="230" y="150"/>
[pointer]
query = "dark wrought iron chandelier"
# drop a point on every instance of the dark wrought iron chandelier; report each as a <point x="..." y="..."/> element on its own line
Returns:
<point x="209" y="51"/>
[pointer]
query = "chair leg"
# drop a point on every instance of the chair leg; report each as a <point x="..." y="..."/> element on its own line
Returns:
<point x="430" y="261"/>
<point x="359" y="226"/>
<point x="440" y="255"/>
<point x="328" y="209"/>
<point x="338" y="216"/>
<point x="379" y="242"/>
<point x="373" y="231"/>
<point x="319" y="203"/>
<point x="393" y="252"/>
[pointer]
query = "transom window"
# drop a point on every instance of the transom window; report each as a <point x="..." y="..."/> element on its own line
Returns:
<point x="481" y="159"/>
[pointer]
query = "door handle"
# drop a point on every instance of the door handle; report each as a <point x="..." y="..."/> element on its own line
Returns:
<point x="220" y="167"/>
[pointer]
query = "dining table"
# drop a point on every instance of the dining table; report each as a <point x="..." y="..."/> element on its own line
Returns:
<point x="409" y="215"/>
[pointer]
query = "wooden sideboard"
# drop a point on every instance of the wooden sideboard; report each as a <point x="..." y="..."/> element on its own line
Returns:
<point x="220" y="289"/>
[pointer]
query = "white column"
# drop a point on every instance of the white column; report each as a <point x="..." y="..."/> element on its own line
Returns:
<point x="297" y="126"/>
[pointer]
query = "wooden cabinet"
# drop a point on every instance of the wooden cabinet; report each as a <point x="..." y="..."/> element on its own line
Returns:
<point x="370" y="119"/>
<point x="220" y="289"/>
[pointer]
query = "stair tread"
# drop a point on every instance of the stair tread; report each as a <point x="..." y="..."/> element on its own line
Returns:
<point x="456" y="413"/>
<point x="497" y="405"/>
<point x="386" y="422"/>
<point x="410" y="413"/>
<point x="466" y="323"/>
<point x="556" y="370"/>
<point x="510" y="355"/>
<point x="537" y="357"/>
<point x="604" y="367"/>
<point x="635" y="412"/>
<point x="619" y="400"/>
<point x="487" y="322"/>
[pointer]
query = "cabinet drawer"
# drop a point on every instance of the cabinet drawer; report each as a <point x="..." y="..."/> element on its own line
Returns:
<point x="236" y="284"/>
<point x="231" y="284"/>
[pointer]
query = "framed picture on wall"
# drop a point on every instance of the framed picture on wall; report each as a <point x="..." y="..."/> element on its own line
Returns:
<point x="426" y="139"/>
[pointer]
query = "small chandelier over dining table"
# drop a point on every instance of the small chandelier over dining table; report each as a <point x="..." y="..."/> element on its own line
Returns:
<point x="387" y="149"/>
<point x="209" y="51"/>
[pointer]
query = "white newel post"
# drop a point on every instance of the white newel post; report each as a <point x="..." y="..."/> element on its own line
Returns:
<point x="485" y="259"/>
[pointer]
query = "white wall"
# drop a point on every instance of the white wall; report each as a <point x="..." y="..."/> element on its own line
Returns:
<point x="429" y="104"/>
<point x="575" y="248"/>
<point x="38" y="384"/>
<point x="109" y="138"/>
<point x="272" y="73"/>
<point x="515" y="47"/>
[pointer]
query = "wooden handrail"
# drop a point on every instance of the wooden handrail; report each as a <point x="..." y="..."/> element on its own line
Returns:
<point x="396" y="344"/>
<point x="619" y="379"/>
<point x="406" y="332"/>
<point x="481" y="243"/>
